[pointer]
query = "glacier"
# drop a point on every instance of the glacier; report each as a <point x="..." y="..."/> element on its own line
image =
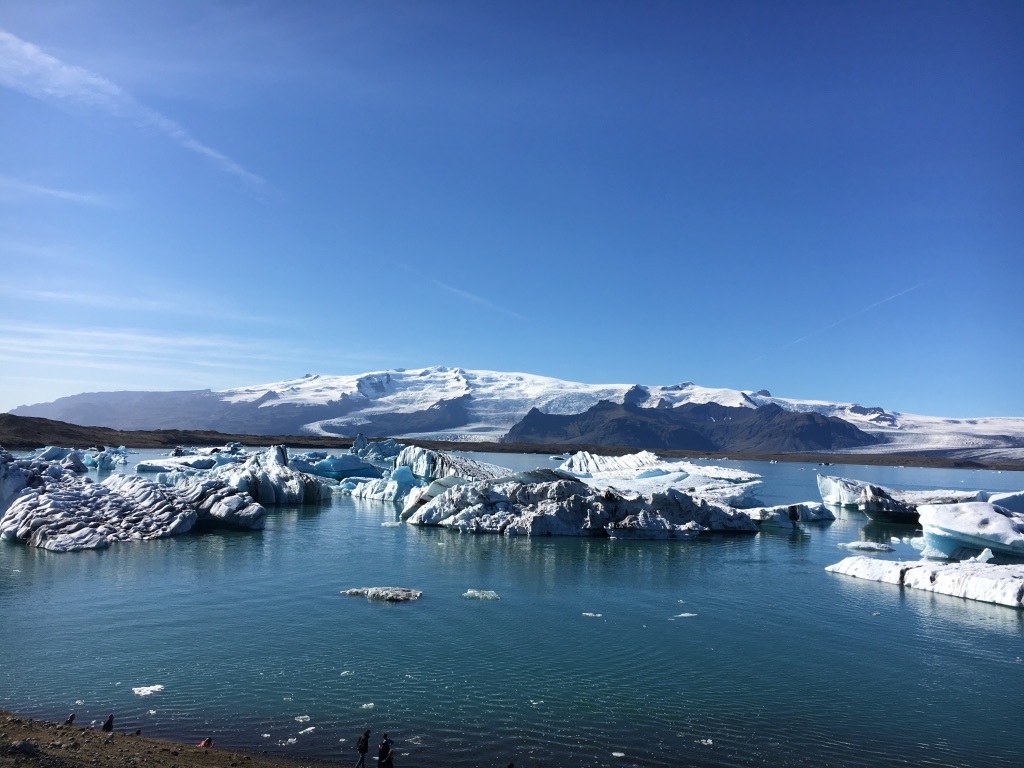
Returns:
<point x="445" y="403"/>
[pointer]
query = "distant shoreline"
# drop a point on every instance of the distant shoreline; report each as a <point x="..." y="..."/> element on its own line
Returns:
<point x="26" y="433"/>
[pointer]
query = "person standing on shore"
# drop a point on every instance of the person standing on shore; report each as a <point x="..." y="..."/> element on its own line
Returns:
<point x="383" y="749"/>
<point x="362" y="747"/>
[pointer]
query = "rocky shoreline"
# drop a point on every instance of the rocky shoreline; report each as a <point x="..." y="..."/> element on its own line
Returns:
<point x="28" y="743"/>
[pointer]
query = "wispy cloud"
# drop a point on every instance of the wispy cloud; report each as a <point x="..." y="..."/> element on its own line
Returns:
<point x="183" y="306"/>
<point x="27" y="68"/>
<point x="477" y="299"/>
<point x="14" y="189"/>
<point x="859" y="312"/>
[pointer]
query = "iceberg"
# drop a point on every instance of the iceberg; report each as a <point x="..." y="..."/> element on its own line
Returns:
<point x="332" y="466"/>
<point x="66" y="512"/>
<point x="268" y="478"/>
<point x="886" y="504"/>
<point x="568" y="507"/>
<point x="973" y="580"/>
<point x="433" y="465"/>
<point x="950" y="528"/>
<point x="395" y="486"/>
<point x="645" y="472"/>
<point x="788" y="515"/>
<point x="385" y="594"/>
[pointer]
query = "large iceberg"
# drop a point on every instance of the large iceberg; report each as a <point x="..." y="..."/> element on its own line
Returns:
<point x="58" y="510"/>
<point x="333" y="466"/>
<point x="567" y="507"/>
<point x="646" y="473"/>
<point x="974" y="580"/>
<point x="269" y="479"/>
<point x="880" y="503"/>
<point x="951" y="528"/>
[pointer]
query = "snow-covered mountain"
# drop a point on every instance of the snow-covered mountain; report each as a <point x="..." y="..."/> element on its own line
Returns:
<point x="471" y="405"/>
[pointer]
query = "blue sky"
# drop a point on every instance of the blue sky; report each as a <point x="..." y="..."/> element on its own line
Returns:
<point x="824" y="199"/>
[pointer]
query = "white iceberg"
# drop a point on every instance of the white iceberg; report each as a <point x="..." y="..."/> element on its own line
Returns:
<point x="1001" y="584"/>
<point x="268" y="478"/>
<point x="333" y="466"/>
<point x="555" y="505"/>
<point x="880" y="503"/>
<point x="950" y="528"/>
<point x="645" y="472"/>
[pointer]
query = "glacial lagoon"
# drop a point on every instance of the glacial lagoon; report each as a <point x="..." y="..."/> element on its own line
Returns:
<point x="725" y="651"/>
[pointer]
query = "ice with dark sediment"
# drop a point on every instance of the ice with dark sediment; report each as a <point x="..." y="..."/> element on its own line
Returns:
<point x="881" y="503"/>
<point x="57" y="509"/>
<point x="385" y="594"/>
<point x="973" y="579"/>
<point x="551" y="503"/>
<point x="790" y="515"/>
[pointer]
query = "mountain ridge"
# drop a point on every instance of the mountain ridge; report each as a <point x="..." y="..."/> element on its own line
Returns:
<point x="443" y="403"/>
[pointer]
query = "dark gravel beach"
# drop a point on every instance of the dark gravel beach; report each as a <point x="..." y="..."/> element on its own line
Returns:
<point x="27" y="743"/>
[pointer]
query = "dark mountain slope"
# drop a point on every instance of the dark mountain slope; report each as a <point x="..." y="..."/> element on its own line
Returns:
<point x="696" y="427"/>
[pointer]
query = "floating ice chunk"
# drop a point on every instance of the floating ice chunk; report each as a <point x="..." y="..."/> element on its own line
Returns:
<point x="1001" y="584"/>
<point x="683" y="616"/>
<point x="307" y="730"/>
<point x="705" y="742"/>
<point x="347" y="673"/>
<point x="983" y="557"/>
<point x="367" y="706"/>
<point x="592" y="615"/>
<point x="391" y="524"/>
<point x="385" y="594"/>
<point x="151" y="712"/>
<point x="302" y="719"/>
<point x="948" y="528"/>
<point x="147" y="690"/>
<point x="480" y="594"/>
<point x="866" y="546"/>
<point x="618" y="754"/>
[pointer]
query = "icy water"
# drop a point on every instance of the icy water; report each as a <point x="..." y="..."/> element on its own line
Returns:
<point x="730" y="651"/>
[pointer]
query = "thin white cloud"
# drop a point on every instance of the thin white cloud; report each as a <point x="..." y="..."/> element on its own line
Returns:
<point x="26" y="68"/>
<point x="14" y="189"/>
<point x="477" y="299"/>
<point x="859" y="312"/>
<point x="175" y="306"/>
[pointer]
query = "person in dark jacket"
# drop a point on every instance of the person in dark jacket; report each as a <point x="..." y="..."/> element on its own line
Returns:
<point x="384" y="750"/>
<point x="362" y="747"/>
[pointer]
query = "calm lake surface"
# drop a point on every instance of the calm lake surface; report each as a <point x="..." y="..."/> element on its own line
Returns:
<point x="728" y="651"/>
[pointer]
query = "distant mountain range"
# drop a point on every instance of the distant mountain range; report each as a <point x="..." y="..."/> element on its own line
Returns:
<point x="454" y="404"/>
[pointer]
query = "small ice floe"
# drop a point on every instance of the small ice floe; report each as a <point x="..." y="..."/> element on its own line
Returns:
<point x="618" y="754"/>
<point x="385" y="594"/>
<point x="79" y="702"/>
<point x="367" y="706"/>
<point x="151" y="712"/>
<point x="536" y="703"/>
<point x="682" y="616"/>
<point x="705" y="742"/>
<point x="480" y="594"/>
<point x="592" y="615"/>
<point x="866" y="546"/>
<point x="347" y="673"/>
<point x="147" y="690"/>
<point x="307" y="730"/>
<point x="285" y="743"/>
<point x="894" y="539"/>
<point x="265" y="735"/>
<point x="302" y="719"/>
<point x="391" y="524"/>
